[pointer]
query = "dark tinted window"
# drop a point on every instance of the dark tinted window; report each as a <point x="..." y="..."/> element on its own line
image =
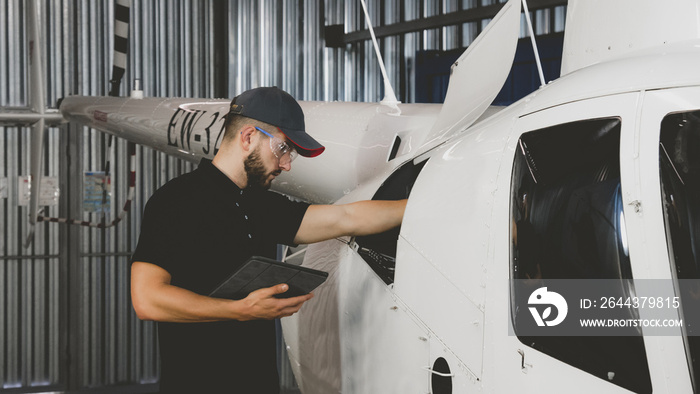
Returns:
<point x="568" y="223"/>
<point x="679" y="156"/>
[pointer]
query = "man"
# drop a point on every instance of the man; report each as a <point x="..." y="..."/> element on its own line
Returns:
<point x="201" y="226"/>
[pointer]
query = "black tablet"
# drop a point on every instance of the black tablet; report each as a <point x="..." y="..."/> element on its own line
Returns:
<point x="259" y="272"/>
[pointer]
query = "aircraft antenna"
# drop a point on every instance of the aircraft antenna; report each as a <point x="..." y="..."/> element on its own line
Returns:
<point x="534" y="44"/>
<point x="389" y="96"/>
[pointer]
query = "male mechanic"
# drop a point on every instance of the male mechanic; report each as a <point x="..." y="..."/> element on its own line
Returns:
<point x="201" y="226"/>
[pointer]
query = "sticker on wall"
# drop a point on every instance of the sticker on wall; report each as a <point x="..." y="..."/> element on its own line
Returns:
<point x="96" y="192"/>
<point x="48" y="190"/>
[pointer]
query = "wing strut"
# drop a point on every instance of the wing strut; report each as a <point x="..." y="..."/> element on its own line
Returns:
<point x="389" y="96"/>
<point x="534" y="43"/>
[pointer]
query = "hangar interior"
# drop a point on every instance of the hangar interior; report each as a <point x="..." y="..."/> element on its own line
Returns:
<point x="67" y="321"/>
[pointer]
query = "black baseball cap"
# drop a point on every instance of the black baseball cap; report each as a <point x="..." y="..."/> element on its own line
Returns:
<point x="275" y="106"/>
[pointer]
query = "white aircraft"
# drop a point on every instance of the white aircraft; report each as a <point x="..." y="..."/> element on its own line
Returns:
<point x="594" y="175"/>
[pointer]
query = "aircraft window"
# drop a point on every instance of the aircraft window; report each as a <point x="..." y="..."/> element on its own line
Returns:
<point x="379" y="250"/>
<point x="567" y="223"/>
<point x="679" y="161"/>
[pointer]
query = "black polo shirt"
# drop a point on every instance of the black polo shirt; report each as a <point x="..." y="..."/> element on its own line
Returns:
<point x="200" y="227"/>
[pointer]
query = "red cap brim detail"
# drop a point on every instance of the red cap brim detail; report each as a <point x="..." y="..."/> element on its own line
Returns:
<point x="304" y="151"/>
<point x="310" y="152"/>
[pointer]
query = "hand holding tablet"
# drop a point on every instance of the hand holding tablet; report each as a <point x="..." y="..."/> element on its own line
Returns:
<point x="260" y="272"/>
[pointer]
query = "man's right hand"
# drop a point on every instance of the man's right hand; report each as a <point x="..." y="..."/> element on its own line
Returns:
<point x="154" y="298"/>
<point x="262" y="303"/>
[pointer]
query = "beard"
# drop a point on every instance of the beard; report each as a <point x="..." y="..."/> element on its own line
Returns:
<point x="256" y="172"/>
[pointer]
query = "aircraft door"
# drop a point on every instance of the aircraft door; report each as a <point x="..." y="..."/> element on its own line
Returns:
<point x="563" y="215"/>
<point x="666" y="186"/>
<point x="382" y="340"/>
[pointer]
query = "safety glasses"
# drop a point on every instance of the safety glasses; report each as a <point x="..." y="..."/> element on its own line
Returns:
<point x="282" y="151"/>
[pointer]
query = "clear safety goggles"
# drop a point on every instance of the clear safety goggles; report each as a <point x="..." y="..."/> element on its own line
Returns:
<point x="282" y="151"/>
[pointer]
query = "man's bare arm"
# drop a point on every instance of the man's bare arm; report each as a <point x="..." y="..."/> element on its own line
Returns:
<point x="154" y="298"/>
<point x="323" y="222"/>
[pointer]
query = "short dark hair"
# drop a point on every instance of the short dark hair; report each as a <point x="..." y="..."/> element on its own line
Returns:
<point x="235" y="122"/>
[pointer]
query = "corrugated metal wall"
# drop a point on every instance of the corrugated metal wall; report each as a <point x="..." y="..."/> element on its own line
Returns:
<point x="67" y="322"/>
<point x="29" y="278"/>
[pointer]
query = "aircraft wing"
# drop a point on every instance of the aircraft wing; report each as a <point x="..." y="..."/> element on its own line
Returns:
<point x="186" y="128"/>
<point x="359" y="137"/>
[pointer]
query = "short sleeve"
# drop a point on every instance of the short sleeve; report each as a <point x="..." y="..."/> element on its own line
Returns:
<point x="154" y="239"/>
<point x="280" y="216"/>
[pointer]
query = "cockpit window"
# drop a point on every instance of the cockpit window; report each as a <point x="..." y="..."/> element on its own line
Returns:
<point x="567" y="222"/>
<point x="679" y="162"/>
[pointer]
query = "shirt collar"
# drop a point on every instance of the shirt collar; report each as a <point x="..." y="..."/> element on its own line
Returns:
<point x="212" y="174"/>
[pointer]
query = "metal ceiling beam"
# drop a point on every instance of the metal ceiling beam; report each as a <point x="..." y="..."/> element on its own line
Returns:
<point x="336" y="37"/>
<point x="27" y="117"/>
